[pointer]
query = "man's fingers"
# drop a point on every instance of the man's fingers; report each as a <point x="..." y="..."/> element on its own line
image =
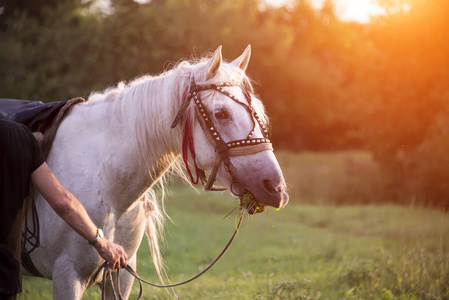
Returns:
<point x="115" y="255"/>
<point x="123" y="262"/>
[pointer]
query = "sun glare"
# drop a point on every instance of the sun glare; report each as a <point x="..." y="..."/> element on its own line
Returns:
<point x="347" y="10"/>
<point x="358" y="10"/>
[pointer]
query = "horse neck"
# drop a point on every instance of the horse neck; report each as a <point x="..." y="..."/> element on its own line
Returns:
<point x="145" y="144"/>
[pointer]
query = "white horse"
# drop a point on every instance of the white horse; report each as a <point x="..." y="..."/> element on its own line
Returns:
<point x="112" y="149"/>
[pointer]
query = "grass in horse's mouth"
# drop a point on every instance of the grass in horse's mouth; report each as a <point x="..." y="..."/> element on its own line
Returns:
<point x="249" y="202"/>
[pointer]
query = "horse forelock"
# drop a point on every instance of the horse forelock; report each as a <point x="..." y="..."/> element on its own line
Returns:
<point x="231" y="73"/>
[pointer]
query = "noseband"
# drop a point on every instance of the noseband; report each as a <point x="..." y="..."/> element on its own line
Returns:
<point x="224" y="150"/>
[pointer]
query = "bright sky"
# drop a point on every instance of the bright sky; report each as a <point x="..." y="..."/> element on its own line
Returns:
<point x="349" y="10"/>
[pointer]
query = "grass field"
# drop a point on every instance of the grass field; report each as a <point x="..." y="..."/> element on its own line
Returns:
<point x="305" y="251"/>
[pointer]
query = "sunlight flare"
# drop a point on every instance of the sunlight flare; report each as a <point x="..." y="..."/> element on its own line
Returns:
<point x="346" y="10"/>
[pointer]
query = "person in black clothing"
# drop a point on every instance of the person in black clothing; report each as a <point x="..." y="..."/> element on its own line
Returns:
<point x="22" y="163"/>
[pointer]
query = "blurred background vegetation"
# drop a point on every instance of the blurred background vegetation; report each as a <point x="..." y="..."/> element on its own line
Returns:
<point x="379" y="89"/>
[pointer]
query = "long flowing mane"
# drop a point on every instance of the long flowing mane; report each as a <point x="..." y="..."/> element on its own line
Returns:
<point x="146" y="106"/>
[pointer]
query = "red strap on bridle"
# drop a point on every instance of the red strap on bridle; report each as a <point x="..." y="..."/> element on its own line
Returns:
<point x="187" y="144"/>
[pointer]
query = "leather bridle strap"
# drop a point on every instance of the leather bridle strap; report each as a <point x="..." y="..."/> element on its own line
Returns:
<point x="224" y="150"/>
<point x="252" y="149"/>
<point x="107" y="275"/>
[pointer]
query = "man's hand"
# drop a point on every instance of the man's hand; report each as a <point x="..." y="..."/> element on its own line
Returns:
<point x="112" y="253"/>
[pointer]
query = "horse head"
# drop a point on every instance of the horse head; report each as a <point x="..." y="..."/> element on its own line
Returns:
<point x="226" y="134"/>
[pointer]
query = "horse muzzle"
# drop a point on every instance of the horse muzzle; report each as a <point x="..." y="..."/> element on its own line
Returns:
<point x="256" y="200"/>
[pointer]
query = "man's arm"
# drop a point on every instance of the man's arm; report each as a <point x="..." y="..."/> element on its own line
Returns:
<point x="73" y="212"/>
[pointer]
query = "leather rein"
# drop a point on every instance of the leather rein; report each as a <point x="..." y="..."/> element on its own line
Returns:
<point x="116" y="293"/>
<point x="224" y="151"/>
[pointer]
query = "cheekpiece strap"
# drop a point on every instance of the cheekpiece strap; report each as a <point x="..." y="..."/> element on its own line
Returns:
<point x="223" y="149"/>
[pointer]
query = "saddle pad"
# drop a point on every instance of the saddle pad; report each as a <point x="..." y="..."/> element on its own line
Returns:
<point x="37" y="116"/>
<point x="34" y="114"/>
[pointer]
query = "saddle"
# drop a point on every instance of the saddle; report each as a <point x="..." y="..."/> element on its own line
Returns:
<point x="37" y="116"/>
<point x="43" y="120"/>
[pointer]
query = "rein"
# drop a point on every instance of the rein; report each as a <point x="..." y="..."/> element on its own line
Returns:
<point x="107" y="272"/>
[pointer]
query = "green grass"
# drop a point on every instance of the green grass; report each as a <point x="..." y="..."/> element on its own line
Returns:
<point x="301" y="252"/>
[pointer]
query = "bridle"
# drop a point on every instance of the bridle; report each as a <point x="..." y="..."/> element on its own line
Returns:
<point x="224" y="150"/>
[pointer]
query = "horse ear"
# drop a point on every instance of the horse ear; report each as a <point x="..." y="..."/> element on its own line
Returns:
<point x="214" y="64"/>
<point x="243" y="60"/>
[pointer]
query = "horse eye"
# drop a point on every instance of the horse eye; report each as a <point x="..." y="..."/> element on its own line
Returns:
<point x="221" y="115"/>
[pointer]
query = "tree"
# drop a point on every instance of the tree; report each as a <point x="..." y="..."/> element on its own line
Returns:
<point x="403" y="101"/>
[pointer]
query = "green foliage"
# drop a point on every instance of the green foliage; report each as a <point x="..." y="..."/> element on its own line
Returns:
<point x="406" y="101"/>
<point x="429" y="177"/>
<point x="47" y="61"/>
<point x="327" y="84"/>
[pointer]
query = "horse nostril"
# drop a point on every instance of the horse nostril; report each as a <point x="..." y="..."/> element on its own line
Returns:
<point x="269" y="186"/>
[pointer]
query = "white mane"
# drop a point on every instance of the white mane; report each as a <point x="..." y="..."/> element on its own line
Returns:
<point x="147" y="106"/>
<point x="143" y="110"/>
